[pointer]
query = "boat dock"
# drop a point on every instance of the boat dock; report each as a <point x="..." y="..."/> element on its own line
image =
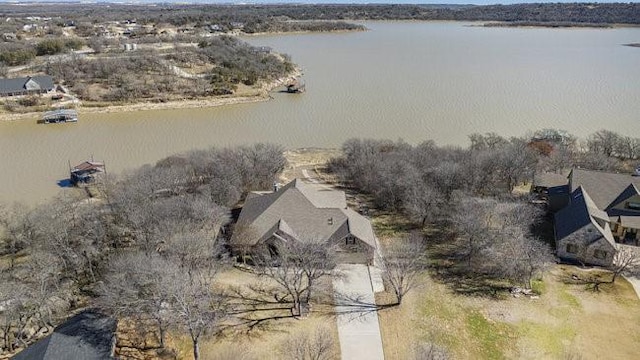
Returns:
<point x="296" y="86"/>
<point x="59" y="116"/>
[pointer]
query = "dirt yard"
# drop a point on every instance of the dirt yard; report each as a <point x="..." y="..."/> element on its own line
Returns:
<point x="265" y="342"/>
<point x="566" y="322"/>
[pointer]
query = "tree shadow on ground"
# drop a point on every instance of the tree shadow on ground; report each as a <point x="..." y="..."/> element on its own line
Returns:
<point x="450" y="267"/>
<point x="544" y="230"/>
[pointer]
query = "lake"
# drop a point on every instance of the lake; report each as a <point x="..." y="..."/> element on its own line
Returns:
<point x="400" y="80"/>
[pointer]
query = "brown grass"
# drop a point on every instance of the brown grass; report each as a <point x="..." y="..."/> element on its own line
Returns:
<point x="259" y="343"/>
<point x="312" y="159"/>
<point x="566" y="320"/>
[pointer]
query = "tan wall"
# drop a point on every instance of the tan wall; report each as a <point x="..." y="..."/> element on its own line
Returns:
<point x="581" y="238"/>
<point x="358" y="253"/>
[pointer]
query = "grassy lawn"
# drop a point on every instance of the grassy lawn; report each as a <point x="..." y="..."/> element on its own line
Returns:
<point x="567" y="321"/>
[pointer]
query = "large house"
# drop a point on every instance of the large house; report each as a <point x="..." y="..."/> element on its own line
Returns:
<point x="303" y="212"/>
<point x="603" y="211"/>
<point x="30" y="85"/>
<point x="87" y="336"/>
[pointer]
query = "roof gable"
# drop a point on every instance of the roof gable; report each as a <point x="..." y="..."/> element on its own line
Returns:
<point x="303" y="211"/>
<point x="580" y="212"/>
<point x="603" y="187"/>
<point x="31" y="85"/>
<point x="626" y="194"/>
<point x="34" y="83"/>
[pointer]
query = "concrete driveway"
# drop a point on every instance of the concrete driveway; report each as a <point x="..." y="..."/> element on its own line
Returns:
<point x="358" y="327"/>
<point x="635" y="282"/>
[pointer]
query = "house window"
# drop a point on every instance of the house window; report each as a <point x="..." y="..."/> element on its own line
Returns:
<point x="350" y="240"/>
<point x="633" y="205"/>
<point x="572" y="248"/>
<point x="599" y="254"/>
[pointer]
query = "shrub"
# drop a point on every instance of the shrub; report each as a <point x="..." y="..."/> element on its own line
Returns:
<point x="50" y="46"/>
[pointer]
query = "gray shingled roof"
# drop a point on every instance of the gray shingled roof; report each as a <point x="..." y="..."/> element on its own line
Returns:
<point x="580" y="212"/>
<point x="549" y="179"/>
<point x="304" y="211"/>
<point x="19" y="84"/>
<point x="86" y="336"/>
<point x="603" y="187"/>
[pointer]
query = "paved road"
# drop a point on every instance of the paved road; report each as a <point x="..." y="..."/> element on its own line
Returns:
<point x="358" y="327"/>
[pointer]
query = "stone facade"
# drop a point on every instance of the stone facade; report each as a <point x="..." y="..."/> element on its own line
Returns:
<point x="588" y="246"/>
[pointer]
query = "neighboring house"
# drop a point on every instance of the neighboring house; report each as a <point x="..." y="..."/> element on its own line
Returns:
<point x="603" y="211"/>
<point x="86" y="336"/>
<point x="300" y="211"/>
<point x="29" y="85"/>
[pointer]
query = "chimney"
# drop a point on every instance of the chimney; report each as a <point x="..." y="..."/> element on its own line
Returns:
<point x="330" y="221"/>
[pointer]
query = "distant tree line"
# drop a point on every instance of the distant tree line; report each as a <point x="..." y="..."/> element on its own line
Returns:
<point x="597" y="13"/>
<point x="266" y="26"/>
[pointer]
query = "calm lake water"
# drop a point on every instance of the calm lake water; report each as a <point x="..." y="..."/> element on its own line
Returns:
<point x="409" y="80"/>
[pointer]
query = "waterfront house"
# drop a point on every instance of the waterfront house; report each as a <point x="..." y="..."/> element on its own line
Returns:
<point x="603" y="211"/>
<point x="303" y="212"/>
<point x="30" y="85"/>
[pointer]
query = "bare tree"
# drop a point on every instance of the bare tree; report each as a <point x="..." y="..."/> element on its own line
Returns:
<point x="473" y="219"/>
<point x="520" y="257"/>
<point x="297" y="268"/>
<point x="628" y="147"/>
<point x="14" y="299"/>
<point x="135" y="287"/>
<point x="603" y="142"/>
<point x="624" y="259"/>
<point x="196" y="307"/>
<point x="422" y="202"/>
<point x="487" y="141"/>
<point x="403" y="263"/>
<point x="17" y="231"/>
<point x="314" y="344"/>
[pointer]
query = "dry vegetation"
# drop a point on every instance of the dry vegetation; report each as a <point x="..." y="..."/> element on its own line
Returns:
<point x="478" y="318"/>
<point x="269" y="341"/>
<point x="568" y="320"/>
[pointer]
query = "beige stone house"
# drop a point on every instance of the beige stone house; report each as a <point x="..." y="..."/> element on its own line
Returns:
<point x="603" y="211"/>
<point x="303" y="212"/>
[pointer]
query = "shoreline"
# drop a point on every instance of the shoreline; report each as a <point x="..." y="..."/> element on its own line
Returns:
<point x="260" y="94"/>
<point x="552" y="25"/>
